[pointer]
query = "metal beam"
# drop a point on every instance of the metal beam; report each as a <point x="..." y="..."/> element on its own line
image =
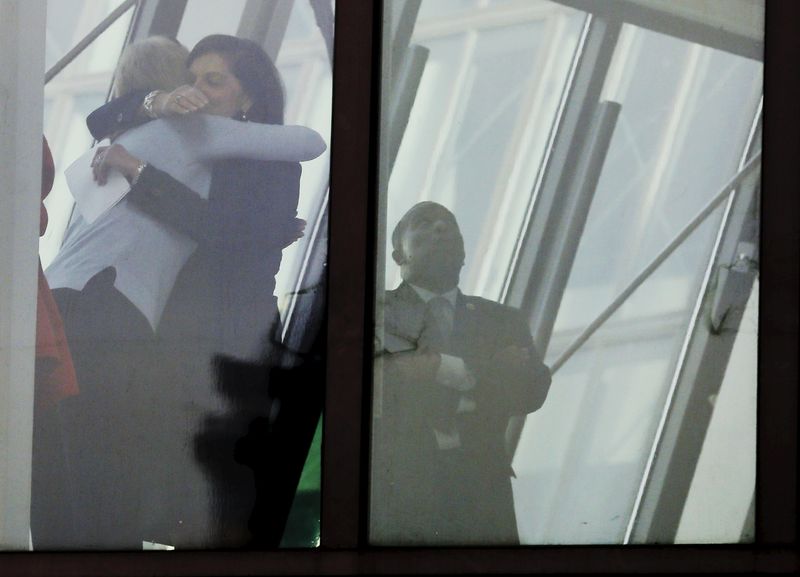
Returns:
<point x="157" y="17"/>
<point x="401" y="69"/>
<point x="400" y="21"/>
<point x="88" y="39"/>
<point x="265" y="21"/>
<point x="544" y="256"/>
<point x="645" y="273"/>
<point x="584" y="186"/>
<point x="402" y="66"/>
<point x="537" y="282"/>
<point x="403" y="96"/>
<point x="666" y="19"/>
<point x="679" y="440"/>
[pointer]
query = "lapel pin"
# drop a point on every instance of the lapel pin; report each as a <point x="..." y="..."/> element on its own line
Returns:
<point x="470" y="307"/>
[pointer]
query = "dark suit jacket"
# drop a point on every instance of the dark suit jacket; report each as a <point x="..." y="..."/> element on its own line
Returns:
<point x="433" y="495"/>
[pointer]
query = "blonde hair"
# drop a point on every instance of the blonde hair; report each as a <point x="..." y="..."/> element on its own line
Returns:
<point x="155" y="63"/>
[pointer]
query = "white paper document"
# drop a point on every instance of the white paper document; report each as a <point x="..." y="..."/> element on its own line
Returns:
<point x="91" y="199"/>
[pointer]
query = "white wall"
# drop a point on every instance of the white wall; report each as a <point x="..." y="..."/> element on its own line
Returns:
<point x="21" y="79"/>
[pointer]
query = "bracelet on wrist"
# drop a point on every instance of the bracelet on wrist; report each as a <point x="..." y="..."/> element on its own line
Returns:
<point x="149" y="103"/>
<point x="138" y="173"/>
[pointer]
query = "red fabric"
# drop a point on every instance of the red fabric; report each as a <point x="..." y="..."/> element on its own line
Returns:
<point x="55" y="373"/>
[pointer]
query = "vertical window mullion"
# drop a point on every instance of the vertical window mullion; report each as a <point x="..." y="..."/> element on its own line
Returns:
<point x="350" y="285"/>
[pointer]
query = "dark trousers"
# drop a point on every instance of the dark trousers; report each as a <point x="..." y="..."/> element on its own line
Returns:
<point x="473" y="502"/>
<point x="93" y="456"/>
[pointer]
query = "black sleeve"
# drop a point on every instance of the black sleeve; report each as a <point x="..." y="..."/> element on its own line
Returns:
<point x="117" y="114"/>
<point x="251" y="207"/>
<point x="254" y="204"/>
<point x="171" y="202"/>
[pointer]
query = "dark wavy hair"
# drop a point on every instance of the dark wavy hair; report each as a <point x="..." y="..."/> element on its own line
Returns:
<point x="254" y="70"/>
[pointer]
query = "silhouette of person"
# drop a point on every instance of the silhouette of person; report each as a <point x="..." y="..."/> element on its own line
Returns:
<point x="456" y="368"/>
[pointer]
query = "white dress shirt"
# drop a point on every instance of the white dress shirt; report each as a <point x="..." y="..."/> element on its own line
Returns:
<point x="452" y="373"/>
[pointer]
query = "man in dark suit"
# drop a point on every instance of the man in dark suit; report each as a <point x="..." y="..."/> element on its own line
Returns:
<point x="452" y="370"/>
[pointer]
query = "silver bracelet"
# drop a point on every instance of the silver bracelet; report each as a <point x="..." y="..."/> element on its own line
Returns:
<point x="136" y="176"/>
<point x="149" y="102"/>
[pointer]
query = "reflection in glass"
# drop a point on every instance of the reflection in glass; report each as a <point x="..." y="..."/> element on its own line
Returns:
<point x="486" y="105"/>
<point x="199" y="393"/>
<point x="456" y="369"/>
<point x="478" y="127"/>
<point x="68" y="21"/>
<point x="673" y="147"/>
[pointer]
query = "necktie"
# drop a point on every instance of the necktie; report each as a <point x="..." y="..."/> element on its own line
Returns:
<point x="437" y="325"/>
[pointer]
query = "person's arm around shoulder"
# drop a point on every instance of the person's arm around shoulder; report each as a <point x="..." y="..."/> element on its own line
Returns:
<point x="215" y="137"/>
<point x="155" y="192"/>
<point x="171" y="202"/>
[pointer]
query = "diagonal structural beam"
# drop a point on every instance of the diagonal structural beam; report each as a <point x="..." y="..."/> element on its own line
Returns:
<point x="662" y="256"/>
<point x="88" y="39"/>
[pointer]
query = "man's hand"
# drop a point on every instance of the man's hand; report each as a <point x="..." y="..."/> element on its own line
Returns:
<point x="114" y="157"/>
<point x="183" y="100"/>
<point x="417" y="366"/>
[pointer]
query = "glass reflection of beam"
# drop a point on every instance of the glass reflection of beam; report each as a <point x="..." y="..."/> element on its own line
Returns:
<point x="718" y="198"/>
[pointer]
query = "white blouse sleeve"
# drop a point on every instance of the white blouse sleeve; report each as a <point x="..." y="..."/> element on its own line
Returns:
<point x="215" y="137"/>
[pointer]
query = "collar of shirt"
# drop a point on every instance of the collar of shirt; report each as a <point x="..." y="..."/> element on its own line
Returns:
<point x="427" y="295"/>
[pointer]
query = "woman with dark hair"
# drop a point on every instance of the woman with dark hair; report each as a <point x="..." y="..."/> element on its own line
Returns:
<point x="250" y="213"/>
<point x="255" y="71"/>
<point x="222" y="304"/>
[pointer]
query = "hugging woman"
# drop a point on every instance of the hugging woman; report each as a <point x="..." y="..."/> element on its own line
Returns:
<point x="146" y="343"/>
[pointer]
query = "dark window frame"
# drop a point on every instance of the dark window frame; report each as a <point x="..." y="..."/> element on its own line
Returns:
<point x="351" y="273"/>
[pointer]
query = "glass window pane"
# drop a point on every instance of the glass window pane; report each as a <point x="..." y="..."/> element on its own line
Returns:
<point x="674" y="146"/>
<point x="191" y="307"/>
<point x="479" y="126"/>
<point x="486" y="101"/>
<point x="478" y="130"/>
<point x="69" y="21"/>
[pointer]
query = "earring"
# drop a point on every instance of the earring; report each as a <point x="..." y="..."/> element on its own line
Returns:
<point x="243" y="116"/>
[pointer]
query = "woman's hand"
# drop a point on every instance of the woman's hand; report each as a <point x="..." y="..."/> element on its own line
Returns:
<point x="114" y="157"/>
<point x="183" y="100"/>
